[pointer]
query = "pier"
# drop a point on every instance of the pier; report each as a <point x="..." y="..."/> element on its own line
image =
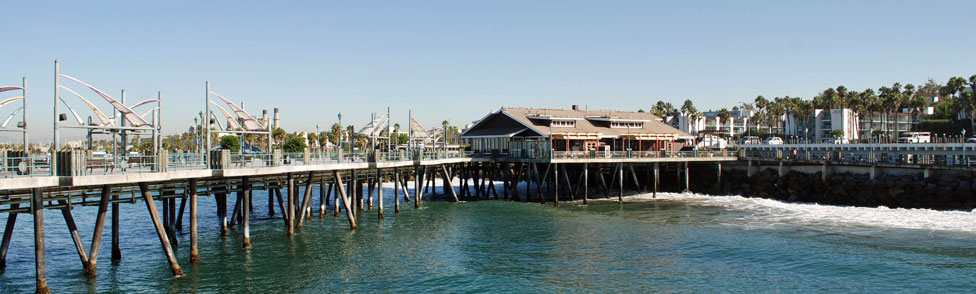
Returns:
<point x="346" y="182"/>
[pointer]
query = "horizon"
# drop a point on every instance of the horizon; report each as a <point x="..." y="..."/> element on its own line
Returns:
<point x="315" y="60"/>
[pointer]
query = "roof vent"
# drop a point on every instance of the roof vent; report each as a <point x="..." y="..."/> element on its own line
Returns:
<point x="575" y="107"/>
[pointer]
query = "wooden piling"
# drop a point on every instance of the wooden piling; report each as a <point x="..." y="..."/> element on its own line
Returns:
<point x="555" y="194"/>
<point x="194" y="253"/>
<point x="620" y="194"/>
<point x="379" y="192"/>
<point x="291" y="204"/>
<point x="281" y="205"/>
<point x="396" y="190"/>
<point x="448" y="186"/>
<point x="160" y="231"/>
<point x="221" y="197"/>
<point x="40" y="268"/>
<point x="323" y="197"/>
<point x="586" y="183"/>
<point x="687" y="186"/>
<point x="7" y="234"/>
<point x="90" y="270"/>
<point x="305" y="201"/>
<point x="657" y="175"/>
<point x="179" y="217"/>
<point x="246" y="211"/>
<point x="75" y="236"/>
<point x="345" y="200"/>
<point x="116" y="251"/>
<point x="270" y="200"/>
<point x="418" y="177"/>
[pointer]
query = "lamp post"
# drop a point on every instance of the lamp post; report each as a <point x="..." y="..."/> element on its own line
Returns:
<point x="317" y="140"/>
<point x="962" y="141"/>
<point x="445" y="139"/>
<point x="196" y="130"/>
<point x="341" y="130"/>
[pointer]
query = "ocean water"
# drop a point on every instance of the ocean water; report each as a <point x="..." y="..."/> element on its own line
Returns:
<point x="675" y="243"/>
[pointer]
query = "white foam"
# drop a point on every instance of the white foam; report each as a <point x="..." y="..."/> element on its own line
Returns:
<point x="767" y="212"/>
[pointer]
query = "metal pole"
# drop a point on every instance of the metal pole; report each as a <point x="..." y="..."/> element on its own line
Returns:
<point x="24" y="100"/>
<point x="54" y="144"/>
<point x="206" y="123"/>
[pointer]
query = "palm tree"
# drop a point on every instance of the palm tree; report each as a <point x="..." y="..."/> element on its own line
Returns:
<point x="688" y="109"/>
<point x="968" y="102"/>
<point x="724" y="115"/>
<point x="761" y="105"/>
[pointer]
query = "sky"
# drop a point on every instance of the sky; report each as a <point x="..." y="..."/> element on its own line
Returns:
<point x="459" y="60"/>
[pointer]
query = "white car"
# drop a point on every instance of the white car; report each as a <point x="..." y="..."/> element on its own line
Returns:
<point x="773" y="141"/>
<point x="971" y="140"/>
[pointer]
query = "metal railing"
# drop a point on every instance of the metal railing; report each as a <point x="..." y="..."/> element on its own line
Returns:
<point x="639" y="154"/>
<point x="35" y="165"/>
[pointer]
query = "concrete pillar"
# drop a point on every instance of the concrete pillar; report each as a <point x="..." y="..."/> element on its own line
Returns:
<point x="657" y="177"/>
<point x="245" y="212"/>
<point x="586" y="182"/>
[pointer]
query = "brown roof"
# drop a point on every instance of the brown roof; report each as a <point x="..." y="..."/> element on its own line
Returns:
<point x="588" y="121"/>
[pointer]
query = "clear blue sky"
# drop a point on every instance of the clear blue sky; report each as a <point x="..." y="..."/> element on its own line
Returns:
<point x="458" y="60"/>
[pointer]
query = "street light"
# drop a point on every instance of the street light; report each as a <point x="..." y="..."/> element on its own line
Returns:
<point x="341" y="130"/>
<point x="962" y="141"/>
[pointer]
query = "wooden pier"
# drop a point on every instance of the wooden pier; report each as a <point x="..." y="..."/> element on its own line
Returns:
<point x="350" y="186"/>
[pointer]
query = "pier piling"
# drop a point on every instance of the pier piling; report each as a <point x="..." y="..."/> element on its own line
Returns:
<point x="160" y="231"/>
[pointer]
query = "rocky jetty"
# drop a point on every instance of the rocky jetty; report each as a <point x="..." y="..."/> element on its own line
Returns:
<point x="939" y="192"/>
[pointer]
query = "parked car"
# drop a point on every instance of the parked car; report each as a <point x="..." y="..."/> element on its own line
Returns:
<point x="971" y="140"/>
<point x="915" y="137"/>
<point x="750" y="140"/>
<point x="773" y="141"/>
<point x="840" y="140"/>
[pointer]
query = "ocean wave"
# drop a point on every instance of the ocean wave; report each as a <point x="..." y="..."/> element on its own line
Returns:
<point x="767" y="212"/>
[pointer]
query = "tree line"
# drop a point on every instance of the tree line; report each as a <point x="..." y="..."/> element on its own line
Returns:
<point x="955" y="96"/>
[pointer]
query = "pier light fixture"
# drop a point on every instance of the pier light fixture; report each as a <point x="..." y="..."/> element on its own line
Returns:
<point x="962" y="140"/>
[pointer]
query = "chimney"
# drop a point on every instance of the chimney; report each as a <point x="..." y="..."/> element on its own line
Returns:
<point x="575" y="107"/>
<point x="276" y="118"/>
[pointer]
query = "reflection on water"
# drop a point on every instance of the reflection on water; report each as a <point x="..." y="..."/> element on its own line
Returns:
<point x="675" y="243"/>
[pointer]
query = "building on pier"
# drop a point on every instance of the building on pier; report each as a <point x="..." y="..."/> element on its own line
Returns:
<point x="532" y="132"/>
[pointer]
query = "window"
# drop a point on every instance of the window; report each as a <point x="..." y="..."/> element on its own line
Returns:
<point x="624" y="125"/>
<point x="564" y="123"/>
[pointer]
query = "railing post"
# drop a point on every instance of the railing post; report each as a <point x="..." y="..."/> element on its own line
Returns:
<point x="276" y="158"/>
<point x="306" y="156"/>
<point x="219" y="159"/>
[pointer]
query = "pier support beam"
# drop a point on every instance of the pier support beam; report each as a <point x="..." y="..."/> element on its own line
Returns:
<point x="448" y="186"/>
<point x="305" y="201"/>
<point x="40" y="268"/>
<point x="221" y="198"/>
<point x="90" y="270"/>
<point x="555" y="176"/>
<point x="75" y="236"/>
<point x="586" y="183"/>
<point x="345" y="200"/>
<point x="417" y="178"/>
<point x="116" y="251"/>
<point x="718" y="175"/>
<point x="160" y="231"/>
<point x="379" y="192"/>
<point x="246" y="212"/>
<point x="291" y="204"/>
<point x="687" y="179"/>
<point x="323" y="197"/>
<point x="620" y="177"/>
<point x="8" y="232"/>
<point x="194" y="253"/>
<point x="396" y="190"/>
<point x="657" y="178"/>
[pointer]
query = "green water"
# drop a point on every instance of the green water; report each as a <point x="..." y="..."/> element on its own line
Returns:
<point x="682" y="244"/>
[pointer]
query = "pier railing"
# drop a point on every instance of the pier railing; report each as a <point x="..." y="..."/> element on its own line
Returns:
<point x="638" y="154"/>
<point x="80" y="163"/>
